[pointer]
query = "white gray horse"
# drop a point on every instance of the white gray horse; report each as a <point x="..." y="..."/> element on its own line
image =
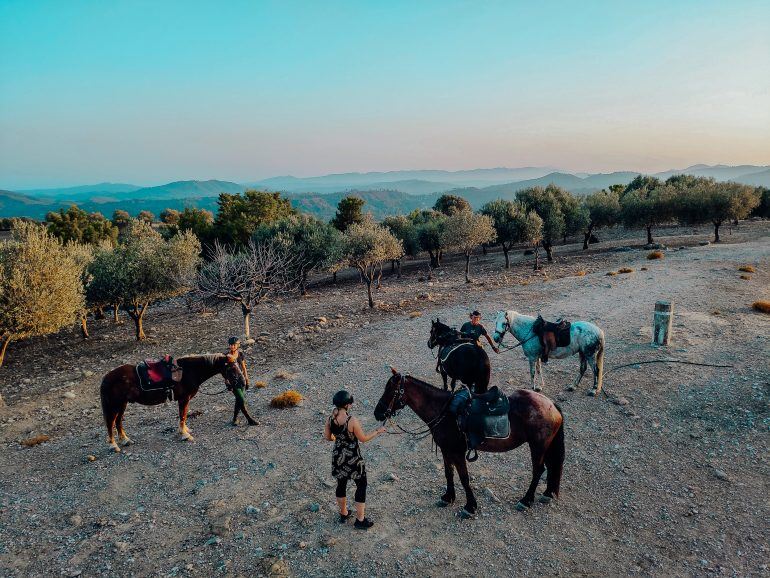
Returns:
<point x="585" y="338"/>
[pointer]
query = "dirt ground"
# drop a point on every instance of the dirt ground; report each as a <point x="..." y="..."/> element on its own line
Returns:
<point x="665" y="475"/>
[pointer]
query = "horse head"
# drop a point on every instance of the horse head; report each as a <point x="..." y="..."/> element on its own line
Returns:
<point x="392" y="399"/>
<point x="502" y="325"/>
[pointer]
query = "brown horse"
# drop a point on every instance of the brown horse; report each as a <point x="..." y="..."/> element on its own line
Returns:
<point x="534" y="418"/>
<point x="121" y="387"/>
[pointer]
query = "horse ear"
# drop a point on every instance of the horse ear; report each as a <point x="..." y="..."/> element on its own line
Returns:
<point x="393" y="369"/>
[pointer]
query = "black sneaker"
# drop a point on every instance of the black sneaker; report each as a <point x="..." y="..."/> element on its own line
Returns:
<point x="343" y="519"/>
<point x="364" y="524"/>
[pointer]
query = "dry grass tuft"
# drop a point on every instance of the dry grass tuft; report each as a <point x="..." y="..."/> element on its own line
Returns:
<point x="625" y="270"/>
<point x="284" y="374"/>
<point x="259" y="384"/>
<point x="746" y="277"/>
<point x="580" y="274"/>
<point x="643" y="268"/>
<point x="655" y="255"/>
<point x="415" y="314"/>
<point x="716" y="312"/>
<point x="288" y="398"/>
<point x="611" y="273"/>
<point x="747" y="269"/>
<point x="33" y="441"/>
<point x="761" y="306"/>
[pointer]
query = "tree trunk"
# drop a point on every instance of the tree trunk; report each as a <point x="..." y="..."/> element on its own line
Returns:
<point x="115" y="313"/>
<point x="246" y="316"/>
<point x="379" y="277"/>
<point x="99" y="313"/>
<point x="484" y="248"/>
<point x="392" y="266"/>
<point x="369" y="291"/>
<point x="649" y="235"/>
<point x="399" y="270"/>
<point x="467" y="266"/>
<point x="439" y="257"/>
<point x="84" y="325"/>
<point x="716" y="231"/>
<point x="433" y="259"/>
<point x="137" y="314"/>
<point x="586" y="237"/>
<point x="548" y="251"/>
<point x="507" y="258"/>
<point x="6" y="340"/>
<point x="334" y="277"/>
<point x="303" y="284"/>
<point x="537" y="258"/>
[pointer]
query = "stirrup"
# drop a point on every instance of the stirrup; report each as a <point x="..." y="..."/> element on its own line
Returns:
<point x="468" y="457"/>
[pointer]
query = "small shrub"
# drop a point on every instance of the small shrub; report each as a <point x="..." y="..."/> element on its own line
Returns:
<point x="259" y="384"/>
<point x="643" y="269"/>
<point x="288" y="398"/>
<point x="761" y="306"/>
<point x="746" y="277"/>
<point x="746" y="268"/>
<point x="415" y="314"/>
<point x="611" y="273"/>
<point x="33" y="441"/>
<point x="580" y="274"/>
<point x="655" y="255"/>
<point x="625" y="270"/>
<point x="284" y="374"/>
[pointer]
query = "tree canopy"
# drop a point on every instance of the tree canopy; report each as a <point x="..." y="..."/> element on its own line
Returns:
<point x="239" y="215"/>
<point x="466" y="230"/>
<point x="603" y="211"/>
<point x="449" y="204"/>
<point x="349" y="211"/>
<point x="367" y="246"/>
<point x="513" y="224"/>
<point x="75" y="225"/>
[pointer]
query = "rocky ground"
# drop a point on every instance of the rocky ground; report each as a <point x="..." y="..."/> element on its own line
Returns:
<point x="665" y="475"/>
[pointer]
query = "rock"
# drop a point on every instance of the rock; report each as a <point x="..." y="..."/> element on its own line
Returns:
<point x="321" y="319"/>
<point x="426" y="296"/>
<point x="278" y="568"/>
<point x="391" y="477"/>
<point x="329" y="541"/>
<point x="620" y="401"/>
<point x="303" y="545"/>
<point x="251" y="510"/>
<point x="121" y="547"/>
<point x="721" y="475"/>
<point x="213" y="541"/>
<point x="75" y="520"/>
<point x="70" y="394"/>
<point x="2" y="402"/>
<point x="491" y="496"/>
<point x="704" y="243"/>
<point x="91" y="458"/>
<point x="87" y="373"/>
<point x="249" y="341"/>
<point x="315" y="507"/>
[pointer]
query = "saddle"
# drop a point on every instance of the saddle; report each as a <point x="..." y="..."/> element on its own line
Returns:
<point x="159" y="374"/>
<point x="481" y="417"/>
<point x="551" y="335"/>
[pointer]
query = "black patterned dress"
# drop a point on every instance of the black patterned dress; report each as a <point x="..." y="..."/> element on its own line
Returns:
<point x="347" y="461"/>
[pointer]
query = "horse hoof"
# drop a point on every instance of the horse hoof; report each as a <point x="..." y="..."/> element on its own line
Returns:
<point x="545" y="499"/>
<point x="442" y="503"/>
<point x="521" y="506"/>
<point x="537" y="388"/>
<point x="593" y="393"/>
<point x="570" y="388"/>
<point x="465" y="514"/>
<point x="115" y="448"/>
<point x="126" y="442"/>
<point x="187" y="438"/>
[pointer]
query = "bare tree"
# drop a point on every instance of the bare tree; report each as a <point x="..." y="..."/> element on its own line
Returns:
<point x="247" y="277"/>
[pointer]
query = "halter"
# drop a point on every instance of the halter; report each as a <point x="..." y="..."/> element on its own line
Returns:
<point x="507" y="329"/>
<point x="397" y="404"/>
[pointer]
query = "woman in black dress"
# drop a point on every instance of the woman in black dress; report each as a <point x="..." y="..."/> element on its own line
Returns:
<point x="347" y="462"/>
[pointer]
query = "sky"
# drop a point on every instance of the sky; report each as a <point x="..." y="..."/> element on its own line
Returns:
<point x="148" y="92"/>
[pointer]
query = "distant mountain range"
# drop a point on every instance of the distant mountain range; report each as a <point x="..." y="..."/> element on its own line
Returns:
<point x="384" y="192"/>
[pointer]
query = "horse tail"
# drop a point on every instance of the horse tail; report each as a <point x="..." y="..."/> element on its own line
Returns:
<point x="600" y="363"/>
<point x="106" y="411"/>
<point x="554" y="457"/>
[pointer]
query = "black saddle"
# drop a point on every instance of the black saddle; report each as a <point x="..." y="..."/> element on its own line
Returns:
<point x="480" y="417"/>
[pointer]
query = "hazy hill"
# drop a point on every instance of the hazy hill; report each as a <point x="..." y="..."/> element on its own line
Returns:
<point x="98" y="189"/>
<point x="719" y="172"/>
<point x="760" y="179"/>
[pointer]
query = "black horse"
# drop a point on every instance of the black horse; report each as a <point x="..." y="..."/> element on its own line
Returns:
<point x="460" y="358"/>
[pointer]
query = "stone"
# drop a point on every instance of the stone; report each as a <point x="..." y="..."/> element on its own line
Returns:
<point x="75" y="520"/>
<point x="491" y="496"/>
<point x="620" y="401"/>
<point x="121" y="547"/>
<point x="721" y="475"/>
<point x="315" y="507"/>
<point x="251" y="510"/>
<point x="91" y="458"/>
<point x="70" y="394"/>
<point x="87" y="373"/>
<point x="213" y="541"/>
<point x="321" y="319"/>
<point x="391" y="477"/>
<point x="704" y="243"/>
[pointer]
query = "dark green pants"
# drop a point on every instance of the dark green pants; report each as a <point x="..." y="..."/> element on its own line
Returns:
<point x="240" y="404"/>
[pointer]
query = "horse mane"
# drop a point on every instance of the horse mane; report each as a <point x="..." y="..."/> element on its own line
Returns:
<point x="209" y="359"/>
<point x="421" y="382"/>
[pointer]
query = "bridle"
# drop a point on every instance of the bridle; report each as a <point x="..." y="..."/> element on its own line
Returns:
<point x="507" y="329"/>
<point x="397" y="403"/>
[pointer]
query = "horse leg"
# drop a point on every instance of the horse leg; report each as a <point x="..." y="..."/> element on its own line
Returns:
<point x="597" y="386"/>
<point x="444" y="378"/>
<point x="124" y="439"/>
<point x="110" y="416"/>
<point x="538" y="369"/>
<point x="449" y="495"/>
<point x="470" y="500"/>
<point x="532" y="366"/>
<point x="183" y="403"/>
<point x="554" y="461"/>
<point x="453" y="384"/>
<point x="538" y="467"/>
<point x="583" y="367"/>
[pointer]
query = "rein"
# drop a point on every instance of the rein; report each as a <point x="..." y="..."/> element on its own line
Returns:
<point x="532" y="335"/>
<point x="391" y="413"/>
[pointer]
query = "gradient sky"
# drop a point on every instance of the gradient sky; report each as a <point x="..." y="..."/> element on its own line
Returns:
<point x="148" y="92"/>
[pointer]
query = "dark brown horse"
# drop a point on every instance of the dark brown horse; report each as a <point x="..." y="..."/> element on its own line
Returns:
<point x="534" y="418"/>
<point x="121" y="387"/>
<point x="460" y="358"/>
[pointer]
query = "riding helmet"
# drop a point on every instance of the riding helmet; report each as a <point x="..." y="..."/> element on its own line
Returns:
<point x="233" y="341"/>
<point x="342" y="398"/>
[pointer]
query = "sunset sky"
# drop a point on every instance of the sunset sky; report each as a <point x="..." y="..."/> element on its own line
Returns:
<point x="150" y="92"/>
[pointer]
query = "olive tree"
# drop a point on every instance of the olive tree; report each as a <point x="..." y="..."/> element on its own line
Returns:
<point x="314" y="244"/>
<point x="405" y="231"/>
<point x="152" y="268"/>
<point x="708" y="201"/>
<point x="603" y="209"/>
<point x="76" y="225"/>
<point x="430" y="228"/>
<point x="450" y="204"/>
<point x="107" y="277"/>
<point x="465" y="231"/>
<point x="548" y="206"/>
<point x="246" y="277"/>
<point x="367" y="246"/>
<point x="41" y="287"/>
<point x="513" y="224"/>
<point x="646" y="203"/>
<point x="349" y="211"/>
